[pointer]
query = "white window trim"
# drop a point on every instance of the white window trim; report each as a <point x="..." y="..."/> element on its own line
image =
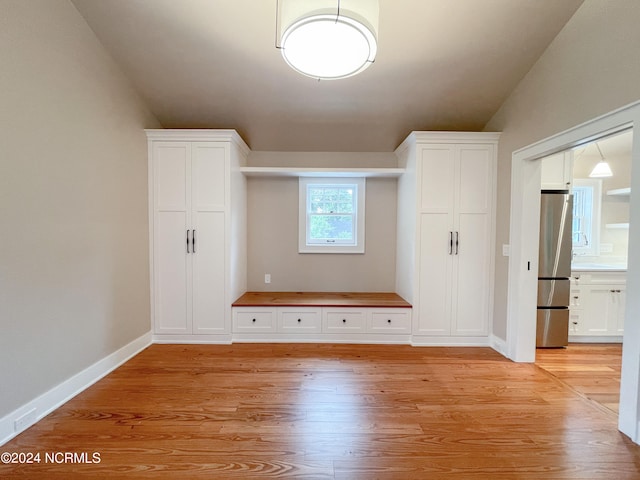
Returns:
<point x="302" y="215"/>
<point x="593" y="249"/>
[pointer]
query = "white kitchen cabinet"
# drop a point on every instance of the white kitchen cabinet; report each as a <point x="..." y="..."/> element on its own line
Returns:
<point x="191" y="218"/>
<point x="557" y="171"/>
<point x="597" y="307"/>
<point x="445" y="240"/>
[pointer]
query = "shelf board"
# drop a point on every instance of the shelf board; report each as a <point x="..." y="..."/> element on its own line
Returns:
<point x="320" y="172"/>
<point x="620" y="191"/>
<point x="617" y="225"/>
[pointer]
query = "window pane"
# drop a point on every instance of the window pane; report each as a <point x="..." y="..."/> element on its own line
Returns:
<point x="330" y="227"/>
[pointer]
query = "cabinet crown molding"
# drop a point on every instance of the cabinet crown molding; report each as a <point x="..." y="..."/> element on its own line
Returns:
<point x="197" y="135"/>
<point x="424" y="137"/>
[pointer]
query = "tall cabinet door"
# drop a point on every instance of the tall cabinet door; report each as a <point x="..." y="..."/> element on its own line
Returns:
<point x="456" y="211"/>
<point x="437" y="167"/>
<point x="209" y="197"/>
<point x="172" y="205"/>
<point x="472" y="259"/>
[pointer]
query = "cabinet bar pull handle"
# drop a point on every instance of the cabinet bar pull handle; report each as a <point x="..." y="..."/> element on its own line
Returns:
<point x="450" y="243"/>
<point x="193" y="241"/>
<point x="188" y="242"/>
<point x="457" y="241"/>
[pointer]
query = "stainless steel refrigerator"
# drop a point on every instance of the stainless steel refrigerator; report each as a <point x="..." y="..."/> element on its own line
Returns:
<point x="554" y="268"/>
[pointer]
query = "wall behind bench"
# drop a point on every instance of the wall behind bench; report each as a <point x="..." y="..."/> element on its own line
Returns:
<point x="272" y="205"/>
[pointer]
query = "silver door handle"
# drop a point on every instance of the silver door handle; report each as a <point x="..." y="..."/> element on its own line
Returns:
<point x="188" y="242"/>
<point x="457" y="241"/>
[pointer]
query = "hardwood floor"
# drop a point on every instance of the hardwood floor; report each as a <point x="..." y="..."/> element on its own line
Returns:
<point x="593" y="370"/>
<point x="328" y="411"/>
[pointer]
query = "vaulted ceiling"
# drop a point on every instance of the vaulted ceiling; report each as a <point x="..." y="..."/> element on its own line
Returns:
<point x="441" y="65"/>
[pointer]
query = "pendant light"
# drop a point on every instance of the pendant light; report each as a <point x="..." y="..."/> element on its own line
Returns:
<point x="602" y="168"/>
<point x="327" y="39"/>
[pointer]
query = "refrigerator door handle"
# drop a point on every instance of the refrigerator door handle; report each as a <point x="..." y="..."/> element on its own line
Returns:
<point x="450" y="243"/>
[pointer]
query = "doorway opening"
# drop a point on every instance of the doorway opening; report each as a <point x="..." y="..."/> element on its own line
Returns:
<point x="590" y="363"/>
<point x="524" y="241"/>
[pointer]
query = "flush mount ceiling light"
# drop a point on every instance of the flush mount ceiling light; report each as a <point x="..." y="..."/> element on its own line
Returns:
<point x="328" y="39"/>
<point x="602" y="168"/>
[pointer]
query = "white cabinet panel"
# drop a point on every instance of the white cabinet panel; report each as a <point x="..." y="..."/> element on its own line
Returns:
<point x="435" y="274"/>
<point x="171" y="272"/>
<point x="438" y="166"/>
<point x="620" y="301"/>
<point x="596" y="310"/>
<point x="474" y="181"/>
<point x="557" y="171"/>
<point x="209" y="176"/>
<point x="472" y="269"/>
<point x="209" y="273"/>
<point x="170" y="168"/>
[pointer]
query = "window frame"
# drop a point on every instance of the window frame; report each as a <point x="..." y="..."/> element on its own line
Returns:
<point x="304" y="183"/>
<point x="593" y="246"/>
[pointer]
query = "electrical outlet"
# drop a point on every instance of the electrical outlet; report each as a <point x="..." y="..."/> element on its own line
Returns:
<point x="25" y="421"/>
<point x="506" y="249"/>
<point x="267" y="278"/>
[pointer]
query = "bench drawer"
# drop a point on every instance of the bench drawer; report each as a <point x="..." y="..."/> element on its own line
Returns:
<point x="256" y="320"/>
<point x="348" y="320"/>
<point x="300" y="320"/>
<point x="390" y="321"/>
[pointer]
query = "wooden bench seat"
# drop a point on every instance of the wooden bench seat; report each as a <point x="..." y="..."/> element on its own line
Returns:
<point x="322" y="299"/>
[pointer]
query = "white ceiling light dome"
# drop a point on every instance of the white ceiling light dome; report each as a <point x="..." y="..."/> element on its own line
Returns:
<point x="328" y="39"/>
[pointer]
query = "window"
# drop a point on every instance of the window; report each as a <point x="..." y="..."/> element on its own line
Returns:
<point x="331" y="215"/>
<point x="586" y="216"/>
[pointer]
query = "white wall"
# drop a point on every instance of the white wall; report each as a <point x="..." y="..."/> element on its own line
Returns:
<point x="590" y="68"/>
<point x="74" y="278"/>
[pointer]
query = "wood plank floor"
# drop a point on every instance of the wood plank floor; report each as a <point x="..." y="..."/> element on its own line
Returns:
<point x="593" y="370"/>
<point x="328" y="411"/>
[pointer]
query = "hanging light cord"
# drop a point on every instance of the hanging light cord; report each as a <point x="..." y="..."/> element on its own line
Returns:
<point x="600" y="151"/>
<point x="338" y="12"/>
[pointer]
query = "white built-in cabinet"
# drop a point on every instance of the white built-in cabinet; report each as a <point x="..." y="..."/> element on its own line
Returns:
<point x="198" y="232"/>
<point x="597" y="307"/>
<point x="446" y="217"/>
<point x="444" y="256"/>
<point x="557" y="171"/>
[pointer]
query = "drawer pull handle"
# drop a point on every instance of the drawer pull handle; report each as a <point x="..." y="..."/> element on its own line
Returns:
<point x="299" y="320"/>
<point x="389" y="321"/>
<point x="344" y="320"/>
<point x="254" y="320"/>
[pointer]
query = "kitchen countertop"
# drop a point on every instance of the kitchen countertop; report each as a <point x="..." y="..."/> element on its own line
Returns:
<point x="598" y="267"/>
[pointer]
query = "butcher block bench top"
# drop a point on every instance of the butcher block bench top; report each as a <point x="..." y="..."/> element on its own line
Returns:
<point x="321" y="299"/>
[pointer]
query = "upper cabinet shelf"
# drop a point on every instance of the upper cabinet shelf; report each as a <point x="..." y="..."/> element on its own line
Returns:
<point x="320" y="172"/>
<point x="620" y="191"/>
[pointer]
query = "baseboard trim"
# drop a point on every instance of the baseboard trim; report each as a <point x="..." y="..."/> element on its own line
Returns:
<point x="499" y="345"/>
<point x="595" y="338"/>
<point x="23" y="417"/>
<point x="435" y="341"/>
